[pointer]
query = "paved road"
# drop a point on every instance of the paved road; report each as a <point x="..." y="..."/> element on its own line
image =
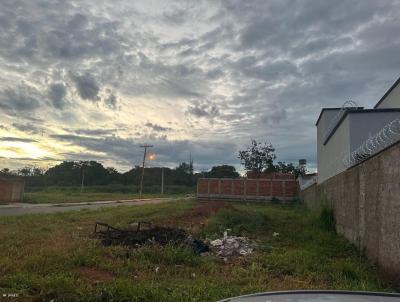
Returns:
<point x="26" y="208"/>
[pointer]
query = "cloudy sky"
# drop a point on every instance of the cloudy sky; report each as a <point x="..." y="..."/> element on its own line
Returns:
<point x="95" y="79"/>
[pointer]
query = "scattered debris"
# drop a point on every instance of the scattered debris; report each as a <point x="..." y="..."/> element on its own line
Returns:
<point x="138" y="237"/>
<point x="231" y="246"/>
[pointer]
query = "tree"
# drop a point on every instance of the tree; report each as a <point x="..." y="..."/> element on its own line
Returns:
<point x="183" y="174"/>
<point x="258" y="157"/>
<point x="185" y="167"/>
<point x="6" y="171"/>
<point x="37" y="171"/>
<point x="283" y="167"/>
<point x="26" y="171"/>
<point x="223" y="171"/>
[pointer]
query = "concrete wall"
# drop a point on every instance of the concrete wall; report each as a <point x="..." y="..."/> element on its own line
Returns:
<point x="11" y="190"/>
<point x="247" y="189"/>
<point x="366" y="199"/>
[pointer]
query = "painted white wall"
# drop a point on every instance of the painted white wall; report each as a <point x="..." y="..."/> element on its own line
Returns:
<point x="352" y="132"/>
<point x="392" y="100"/>
<point x="366" y="124"/>
<point x="330" y="156"/>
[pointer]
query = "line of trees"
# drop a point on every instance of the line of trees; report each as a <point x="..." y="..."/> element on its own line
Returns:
<point x="92" y="173"/>
<point x="258" y="158"/>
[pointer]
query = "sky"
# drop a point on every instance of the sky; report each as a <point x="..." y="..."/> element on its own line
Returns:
<point x="93" y="80"/>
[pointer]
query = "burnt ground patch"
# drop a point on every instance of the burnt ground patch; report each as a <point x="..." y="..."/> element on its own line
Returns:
<point x="156" y="235"/>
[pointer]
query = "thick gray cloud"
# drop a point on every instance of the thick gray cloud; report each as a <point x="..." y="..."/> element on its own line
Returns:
<point x="94" y="132"/>
<point x="168" y="152"/>
<point x="28" y="128"/>
<point x="16" y="139"/>
<point x="19" y="99"/>
<point x="111" y="101"/>
<point x="57" y="93"/>
<point x="86" y="87"/>
<point x="203" y="109"/>
<point x="212" y="72"/>
<point x="157" y="128"/>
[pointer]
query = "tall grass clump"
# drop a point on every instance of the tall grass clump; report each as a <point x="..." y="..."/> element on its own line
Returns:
<point x="327" y="218"/>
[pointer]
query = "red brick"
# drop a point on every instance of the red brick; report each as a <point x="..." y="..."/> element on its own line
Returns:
<point x="238" y="187"/>
<point x="226" y="186"/>
<point x="214" y="186"/>
<point x="291" y="188"/>
<point x="202" y="186"/>
<point x="264" y="188"/>
<point x="251" y="187"/>
<point x="277" y="189"/>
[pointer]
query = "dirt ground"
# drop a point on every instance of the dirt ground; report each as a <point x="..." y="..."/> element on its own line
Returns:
<point x="95" y="275"/>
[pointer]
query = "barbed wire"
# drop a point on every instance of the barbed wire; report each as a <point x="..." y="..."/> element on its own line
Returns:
<point x="346" y="106"/>
<point x="387" y="136"/>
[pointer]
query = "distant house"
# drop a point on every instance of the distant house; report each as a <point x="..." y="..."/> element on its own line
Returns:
<point x="307" y="180"/>
<point x="11" y="189"/>
<point x="340" y="131"/>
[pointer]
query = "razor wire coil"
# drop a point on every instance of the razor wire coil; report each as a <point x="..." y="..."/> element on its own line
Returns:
<point x="387" y="136"/>
<point x="346" y="106"/>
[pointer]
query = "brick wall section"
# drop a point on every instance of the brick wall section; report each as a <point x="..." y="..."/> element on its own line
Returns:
<point x="366" y="199"/>
<point x="11" y="190"/>
<point x="265" y="187"/>
<point x="251" y="187"/>
<point x="214" y="186"/>
<point x="284" y="188"/>
<point x="238" y="187"/>
<point x="291" y="188"/>
<point x="277" y="188"/>
<point x="226" y="187"/>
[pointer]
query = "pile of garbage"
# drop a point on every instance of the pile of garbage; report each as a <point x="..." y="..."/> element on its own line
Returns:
<point x="228" y="246"/>
<point x="110" y="235"/>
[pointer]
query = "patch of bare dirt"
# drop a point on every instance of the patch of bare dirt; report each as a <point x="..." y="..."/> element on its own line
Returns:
<point x="95" y="275"/>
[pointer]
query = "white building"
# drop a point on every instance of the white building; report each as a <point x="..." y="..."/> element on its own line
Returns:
<point x="340" y="131"/>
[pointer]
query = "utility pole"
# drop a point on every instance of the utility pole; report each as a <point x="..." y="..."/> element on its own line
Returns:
<point x="162" y="180"/>
<point x="83" y="178"/>
<point x="144" y="160"/>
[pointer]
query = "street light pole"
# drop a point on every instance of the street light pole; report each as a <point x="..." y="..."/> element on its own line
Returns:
<point x="83" y="178"/>
<point x="144" y="160"/>
<point x="162" y="181"/>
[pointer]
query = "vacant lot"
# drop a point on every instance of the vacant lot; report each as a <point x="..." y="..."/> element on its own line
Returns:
<point x="56" y="256"/>
<point x="57" y="194"/>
